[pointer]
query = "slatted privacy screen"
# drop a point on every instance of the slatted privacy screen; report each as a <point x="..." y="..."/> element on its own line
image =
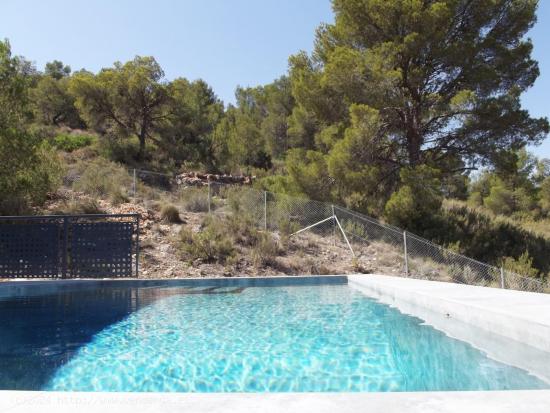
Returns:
<point x="69" y="246"/>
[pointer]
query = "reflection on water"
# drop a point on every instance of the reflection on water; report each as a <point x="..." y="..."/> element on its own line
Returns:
<point x="38" y="334"/>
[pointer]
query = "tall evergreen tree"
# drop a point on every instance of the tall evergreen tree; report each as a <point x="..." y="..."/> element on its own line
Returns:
<point x="397" y="84"/>
<point x="127" y="99"/>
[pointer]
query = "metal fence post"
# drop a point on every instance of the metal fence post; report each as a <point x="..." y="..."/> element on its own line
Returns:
<point x="405" y="252"/>
<point x="333" y="226"/>
<point x="502" y="278"/>
<point x="137" y="246"/>
<point x="209" y="198"/>
<point x="265" y="210"/>
<point x="134" y="184"/>
<point x="65" y="257"/>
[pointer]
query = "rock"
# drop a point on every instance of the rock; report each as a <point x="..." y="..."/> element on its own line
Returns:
<point x="199" y="179"/>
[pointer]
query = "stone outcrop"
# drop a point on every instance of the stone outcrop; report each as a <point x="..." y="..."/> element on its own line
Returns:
<point x="199" y="179"/>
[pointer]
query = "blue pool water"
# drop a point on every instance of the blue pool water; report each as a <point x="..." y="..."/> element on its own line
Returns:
<point x="262" y="339"/>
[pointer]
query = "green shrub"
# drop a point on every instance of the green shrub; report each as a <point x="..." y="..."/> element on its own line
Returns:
<point x="265" y="250"/>
<point x="417" y="202"/>
<point x="242" y="229"/>
<point x="286" y="229"/>
<point x="500" y="200"/>
<point x="119" y="196"/>
<point x="487" y="238"/>
<point x="170" y="214"/>
<point x="71" y="142"/>
<point x="523" y="265"/>
<point x="475" y="199"/>
<point x="211" y="244"/>
<point x="102" y="178"/>
<point x="356" y="228"/>
<point x="29" y="171"/>
<point x="545" y="196"/>
<point x="241" y="200"/>
<point x="120" y="150"/>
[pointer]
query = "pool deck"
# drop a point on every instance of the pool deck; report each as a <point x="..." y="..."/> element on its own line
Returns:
<point x="510" y="326"/>
<point x="534" y="401"/>
<point x="521" y="316"/>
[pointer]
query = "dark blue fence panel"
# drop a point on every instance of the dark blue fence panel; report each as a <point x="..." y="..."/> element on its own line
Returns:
<point x="69" y="246"/>
<point x="30" y="249"/>
<point x="101" y="249"/>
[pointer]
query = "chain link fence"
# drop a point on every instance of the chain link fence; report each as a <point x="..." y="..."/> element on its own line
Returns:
<point x="373" y="246"/>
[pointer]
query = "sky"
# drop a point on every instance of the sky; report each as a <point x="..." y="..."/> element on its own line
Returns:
<point x="225" y="42"/>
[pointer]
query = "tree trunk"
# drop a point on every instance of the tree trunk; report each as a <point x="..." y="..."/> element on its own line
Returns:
<point x="414" y="139"/>
<point x="142" y="136"/>
<point x="141" y="153"/>
<point x="413" y="148"/>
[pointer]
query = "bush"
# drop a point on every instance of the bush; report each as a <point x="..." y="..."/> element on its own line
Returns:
<point x="195" y="199"/>
<point x="82" y="206"/>
<point x="286" y="229"/>
<point x="242" y="229"/>
<point x="29" y="171"/>
<point x="464" y="274"/>
<point x="545" y="196"/>
<point x="211" y="244"/>
<point x="103" y="178"/>
<point x="523" y="265"/>
<point x="244" y="232"/>
<point x="243" y="200"/>
<point x="72" y="142"/>
<point x="170" y="214"/>
<point x="119" y="150"/>
<point x="500" y="200"/>
<point x="265" y="250"/>
<point x="487" y="238"/>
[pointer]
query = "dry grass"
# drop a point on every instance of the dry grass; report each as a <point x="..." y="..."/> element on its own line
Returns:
<point x="195" y="199"/>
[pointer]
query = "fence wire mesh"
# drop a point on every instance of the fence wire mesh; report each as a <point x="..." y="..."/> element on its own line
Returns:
<point x="373" y="245"/>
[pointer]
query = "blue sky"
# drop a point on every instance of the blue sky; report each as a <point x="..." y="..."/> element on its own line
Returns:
<point x="225" y="42"/>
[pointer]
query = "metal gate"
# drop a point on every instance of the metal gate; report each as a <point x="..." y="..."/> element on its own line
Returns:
<point x="69" y="246"/>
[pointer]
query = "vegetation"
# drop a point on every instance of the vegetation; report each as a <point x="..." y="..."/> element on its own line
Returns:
<point x="71" y="142"/>
<point x="523" y="265"/>
<point x="195" y="200"/>
<point x="28" y="168"/>
<point x="103" y="178"/>
<point x="211" y="244"/>
<point x="170" y="214"/>
<point x="218" y="240"/>
<point x="84" y="206"/>
<point x="408" y="111"/>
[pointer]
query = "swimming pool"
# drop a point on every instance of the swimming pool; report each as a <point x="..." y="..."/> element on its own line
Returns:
<point x="235" y="338"/>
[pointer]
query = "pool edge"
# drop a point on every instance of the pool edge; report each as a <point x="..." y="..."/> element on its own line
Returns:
<point x="533" y="401"/>
<point x="9" y="289"/>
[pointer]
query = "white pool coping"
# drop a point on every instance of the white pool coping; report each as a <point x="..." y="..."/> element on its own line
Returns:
<point x="510" y="326"/>
<point x="531" y="401"/>
<point x="522" y="316"/>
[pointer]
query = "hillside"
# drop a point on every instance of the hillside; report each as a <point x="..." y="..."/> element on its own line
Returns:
<point x="538" y="228"/>
<point x="162" y="255"/>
